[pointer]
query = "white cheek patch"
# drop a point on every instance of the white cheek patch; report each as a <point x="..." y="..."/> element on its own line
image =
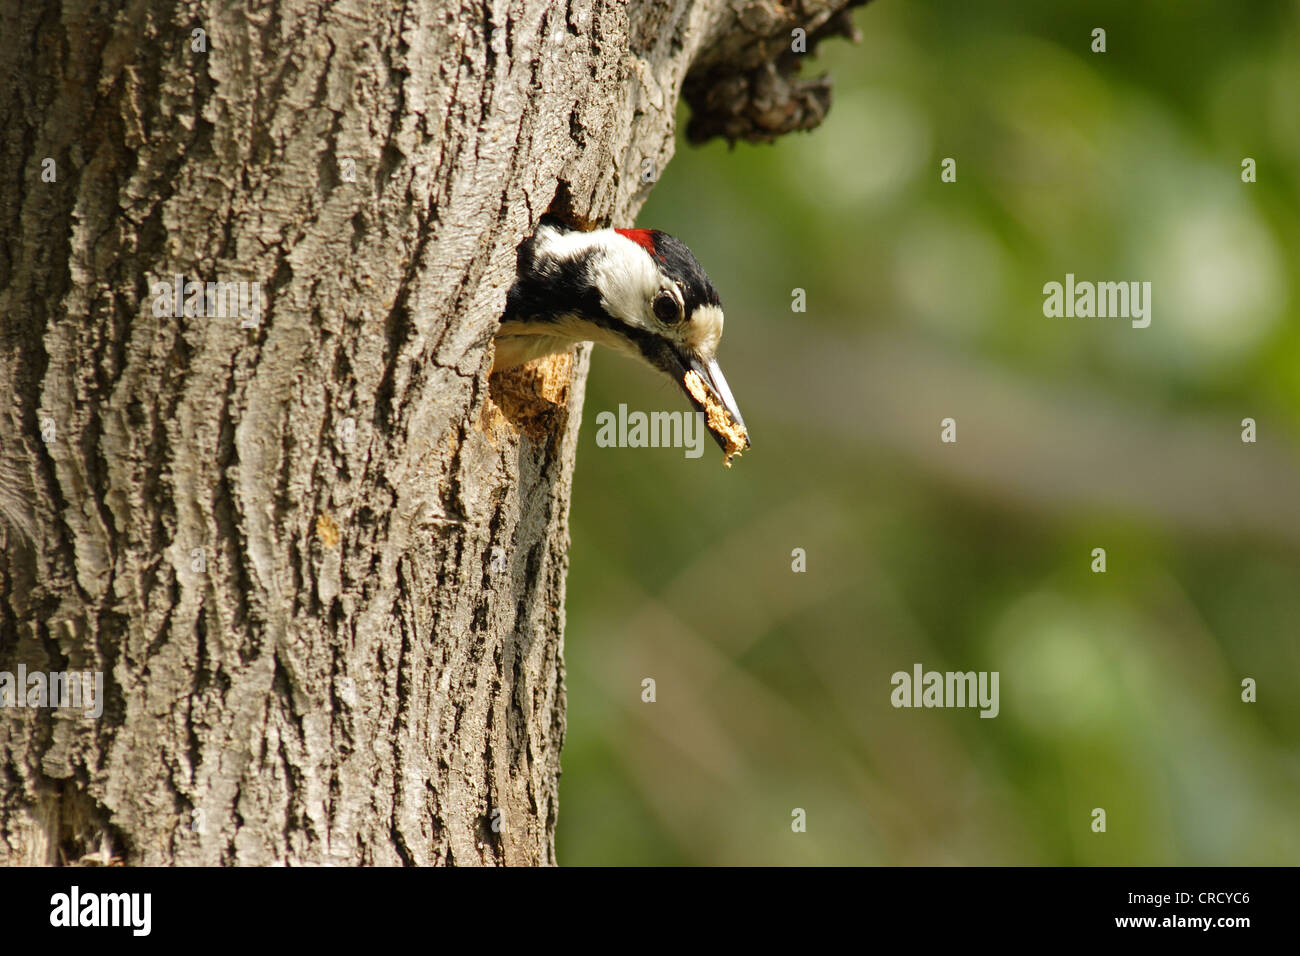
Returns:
<point x="625" y="274"/>
<point x="704" y="331"/>
<point x="627" y="279"/>
<point x="551" y="243"/>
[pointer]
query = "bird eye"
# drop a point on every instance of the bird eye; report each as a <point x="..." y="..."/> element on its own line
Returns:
<point x="666" y="307"/>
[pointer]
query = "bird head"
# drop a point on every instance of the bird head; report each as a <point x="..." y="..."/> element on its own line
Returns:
<point x="639" y="291"/>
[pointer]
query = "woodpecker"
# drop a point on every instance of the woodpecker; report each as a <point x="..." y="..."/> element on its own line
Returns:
<point x="638" y="291"/>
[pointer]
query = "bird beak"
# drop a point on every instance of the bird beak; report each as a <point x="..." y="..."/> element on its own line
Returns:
<point x="707" y="388"/>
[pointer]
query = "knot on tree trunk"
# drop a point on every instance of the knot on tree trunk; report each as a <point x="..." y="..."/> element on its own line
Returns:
<point x="748" y="87"/>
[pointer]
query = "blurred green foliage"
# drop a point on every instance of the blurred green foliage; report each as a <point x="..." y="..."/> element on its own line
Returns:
<point x="1119" y="690"/>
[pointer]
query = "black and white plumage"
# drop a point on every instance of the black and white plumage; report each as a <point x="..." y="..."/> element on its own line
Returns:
<point x="638" y="291"/>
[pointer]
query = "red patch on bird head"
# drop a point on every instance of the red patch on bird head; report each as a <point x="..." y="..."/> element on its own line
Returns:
<point x="642" y="237"/>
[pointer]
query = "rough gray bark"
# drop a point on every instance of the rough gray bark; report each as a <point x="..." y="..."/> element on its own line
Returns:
<point x="320" y="560"/>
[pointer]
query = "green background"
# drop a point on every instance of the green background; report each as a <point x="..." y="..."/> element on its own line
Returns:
<point x="1119" y="690"/>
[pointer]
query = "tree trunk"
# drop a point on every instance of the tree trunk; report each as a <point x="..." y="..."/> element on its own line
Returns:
<point x="316" y="555"/>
